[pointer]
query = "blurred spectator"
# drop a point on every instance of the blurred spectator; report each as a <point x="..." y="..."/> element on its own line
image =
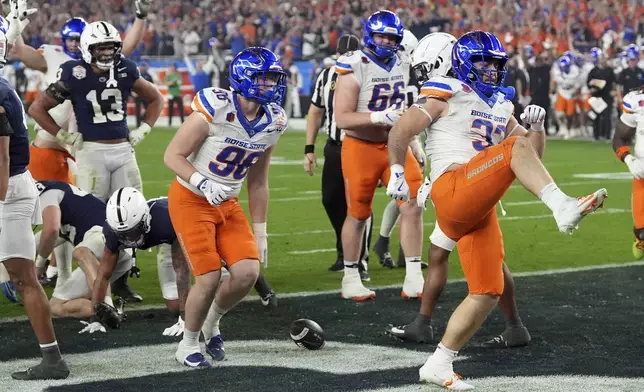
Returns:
<point x="539" y="76"/>
<point x="173" y="80"/>
<point x="601" y="83"/>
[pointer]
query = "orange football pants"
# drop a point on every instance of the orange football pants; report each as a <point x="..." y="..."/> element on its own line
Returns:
<point x="638" y="203"/>
<point x="209" y="234"/>
<point x="47" y="164"/>
<point x="465" y="201"/>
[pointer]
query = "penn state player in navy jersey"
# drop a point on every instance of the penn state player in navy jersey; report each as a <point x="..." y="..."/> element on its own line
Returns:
<point x="133" y="222"/>
<point x="99" y="86"/>
<point x="73" y="215"/>
<point x="19" y="209"/>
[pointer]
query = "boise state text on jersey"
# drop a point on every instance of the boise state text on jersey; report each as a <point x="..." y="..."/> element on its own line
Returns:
<point x="100" y="103"/>
<point x="79" y="210"/>
<point x="161" y="230"/>
<point x="19" y="139"/>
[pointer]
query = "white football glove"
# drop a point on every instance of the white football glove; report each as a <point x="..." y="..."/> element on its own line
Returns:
<point x="175" y="330"/>
<point x="635" y="166"/>
<point x="424" y="193"/>
<point x="261" y="238"/>
<point x="534" y="115"/>
<point x="215" y="193"/>
<point x="142" y="7"/>
<point x="92" y="327"/>
<point x="73" y="139"/>
<point x="18" y="19"/>
<point x="387" y="117"/>
<point x="397" y="188"/>
<point x="137" y="135"/>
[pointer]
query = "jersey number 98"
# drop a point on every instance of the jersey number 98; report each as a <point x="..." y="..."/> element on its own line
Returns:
<point x="383" y="97"/>
<point x="234" y="160"/>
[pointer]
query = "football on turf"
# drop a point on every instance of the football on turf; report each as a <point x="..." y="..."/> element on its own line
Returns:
<point x="307" y="334"/>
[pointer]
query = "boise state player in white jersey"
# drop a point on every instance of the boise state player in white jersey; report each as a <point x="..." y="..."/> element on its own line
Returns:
<point x="630" y="129"/>
<point x="71" y="214"/>
<point x="370" y="96"/>
<point x="133" y="222"/>
<point x="19" y="209"/>
<point x="432" y="58"/>
<point x="476" y="153"/>
<point x="229" y="136"/>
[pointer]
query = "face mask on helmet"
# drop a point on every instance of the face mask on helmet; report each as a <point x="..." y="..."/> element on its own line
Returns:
<point x="489" y="70"/>
<point x="135" y="236"/>
<point x="104" y="54"/>
<point x="269" y="86"/>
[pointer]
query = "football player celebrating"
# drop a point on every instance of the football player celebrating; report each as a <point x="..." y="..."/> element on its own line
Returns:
<point x="630" y="122"/>
<point x="476" y="153"/>
<point x="433" y="58"/>
<point x="229" y="136"/>
<point x="51" y="159"/>
<point x="133" y="222"/>
<point x="370" y="96"/>
<point x="19" y="210"/>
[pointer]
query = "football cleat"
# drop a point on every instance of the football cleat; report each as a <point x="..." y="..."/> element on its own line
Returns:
<point x="381" y="247"/>
<point x="352" y="288"/>
<point x="191" y="357"/>
<point x="363" y="270"/>
<point x="573" y="211"/>
<point x="413" y="285"/>
<point x="638" y="250"/>
<point x="414" y="332"/>
<point x="337" y="266"/>
<point x="42" y="371"/>
<point x="269" y="300"/>
<point x="453" y="383"/>
<point x="48" y="282"/>
<point x="215" y="348"/>
<point x="121" y="288"/>
<point x="9" y="291"/>
<point x="511" y="337"/>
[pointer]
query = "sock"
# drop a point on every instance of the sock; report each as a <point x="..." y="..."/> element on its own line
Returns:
<point x="443" y="357"/>
<point x="50" y="353"/>
<point x="108" y="300"/>
<point x="219" y="313"/>
<point x="516" y="322"/>
<point x="389" y="218"/>
<point x="351" y="268"/>
<point x="552" y="196"/>
<point x="190" y="339"/>
<point x="384" y="239"/>
<point x="52" y="271"/>
<point x="423" y="319"/>
<point x="211" y="324"/>
<point x="412" y="264"/>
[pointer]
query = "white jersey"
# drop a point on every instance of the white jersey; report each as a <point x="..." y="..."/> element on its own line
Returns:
<point x="633" y="116"/>
<point x="35" y="79"/>
<point x="55" y="57"/>
<point x="233" y="144"/>
<point x="381" y="85"/>
<point x="470" y="126"/>
<point x="568" y="82"/>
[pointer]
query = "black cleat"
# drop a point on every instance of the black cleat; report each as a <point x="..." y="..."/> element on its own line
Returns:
<point x="511" y="337"/>
<point x="381" y="247"/>
<point x="414" y="332"/>
<point x="48" y="282"/>
<point x="337" y="266"/>
<point x="59" y="371"/>
<point x="363" y="269"/>
<point x="269" y="300"/>
<point x="123" y="290"/>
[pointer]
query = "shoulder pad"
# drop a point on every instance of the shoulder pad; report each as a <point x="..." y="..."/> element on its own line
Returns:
<point x="210" y="100"/>
<point x="348" y="62"/>
<point x="443" y="87"/>
<point x="633" y="102"/>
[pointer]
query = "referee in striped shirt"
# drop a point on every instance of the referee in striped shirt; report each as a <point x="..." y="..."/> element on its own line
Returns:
<point x="333" y="196"/>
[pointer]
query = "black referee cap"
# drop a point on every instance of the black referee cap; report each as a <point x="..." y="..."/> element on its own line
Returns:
<point x="348" y="43"/>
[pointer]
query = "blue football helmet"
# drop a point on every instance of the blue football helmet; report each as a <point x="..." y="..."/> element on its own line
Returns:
<point x="564" y="63"/>
<point x="4" y="25"/>
<point x="249" y="75"/>
<point x="595" y="54"/>
<point x="387" y="23"/>
<point x="474" y="47"/>
<point x="73" y="28"/>
<point x="529" y="51"/>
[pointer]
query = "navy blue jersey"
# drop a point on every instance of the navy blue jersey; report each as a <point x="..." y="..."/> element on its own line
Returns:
<point x="19" y="139"/>
<point x="100" y="108"/>
<point x="79" y="210"/>
<point x="161" y="230"/>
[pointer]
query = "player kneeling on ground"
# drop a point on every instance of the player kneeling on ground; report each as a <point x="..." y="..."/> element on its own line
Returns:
<point x="230" y="135"/>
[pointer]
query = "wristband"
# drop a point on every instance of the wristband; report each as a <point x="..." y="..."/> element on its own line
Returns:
<point x="309" y="149"/>
<point x="622" y="151"/>
<point x="196" y="179"/>
<point x="259" y="229"/>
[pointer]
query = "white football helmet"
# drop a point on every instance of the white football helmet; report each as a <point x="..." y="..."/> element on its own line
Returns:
<point x="433" y="56"/>
<point x="128" y="215"/>
<point x="409" y="42"/>
<point x="94" y="44"/>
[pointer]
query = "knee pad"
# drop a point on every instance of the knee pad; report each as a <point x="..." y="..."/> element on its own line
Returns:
<point x="167" y="276"/>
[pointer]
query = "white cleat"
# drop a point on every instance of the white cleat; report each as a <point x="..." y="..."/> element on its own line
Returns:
<point x="352" y="288"/>
<point x="453" y="383"/>
<point x="574" y="210"/>
<point x="413" y="285"/>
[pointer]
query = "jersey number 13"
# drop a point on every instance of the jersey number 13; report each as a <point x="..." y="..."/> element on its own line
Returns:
<point x="109" y="107"/>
